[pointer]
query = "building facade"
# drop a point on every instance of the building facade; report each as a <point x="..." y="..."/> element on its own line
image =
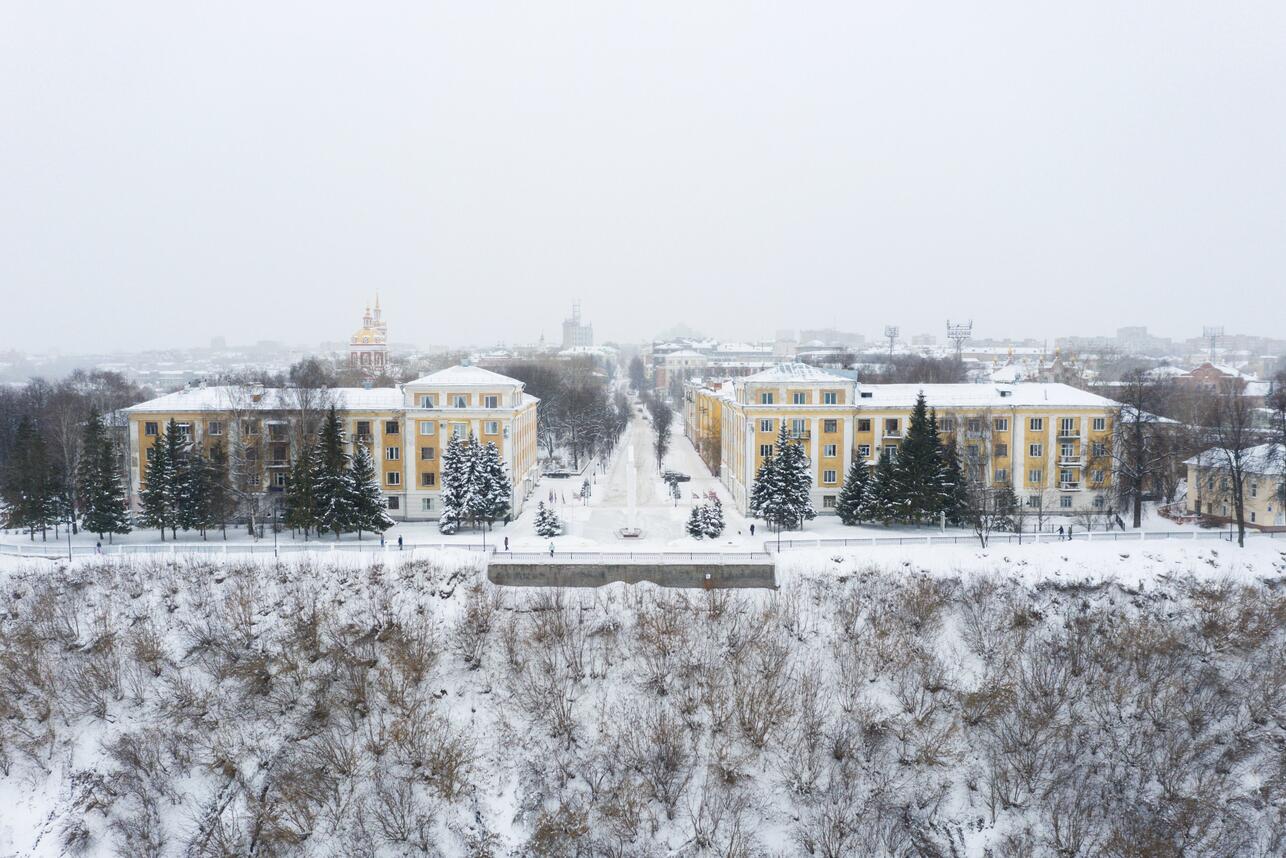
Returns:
<point x="368" y="346"/>
<point x="1210" y="493"/>
<point x="404" y="427"/>
<point x="1050" y="442"/>
<point x="577" y="334"/>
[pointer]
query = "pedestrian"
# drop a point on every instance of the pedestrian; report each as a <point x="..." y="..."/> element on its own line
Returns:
<point x="1060" y="533"/>
<point x="506" y="543"/>
<point x="98" y="547"/>
<point x="399" y="542"/>
<point x="1069" y="533"/>
<point x="752" y="528"/>
<point x="551" y="548"/>
<point x="381" y="540"/>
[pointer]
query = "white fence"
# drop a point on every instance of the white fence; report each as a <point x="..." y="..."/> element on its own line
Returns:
<point x="659" y="558"/>
<point x="53" y="551"/>
<point x="1018" y="538"/>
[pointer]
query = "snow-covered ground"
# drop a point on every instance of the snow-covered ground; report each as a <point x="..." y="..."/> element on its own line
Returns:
<point x="972" y="703"/>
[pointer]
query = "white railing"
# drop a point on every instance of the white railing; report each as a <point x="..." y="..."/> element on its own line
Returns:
<point x="651" y="557"/>
<point x="795" y="544"/>
<point x="53" y="551"/>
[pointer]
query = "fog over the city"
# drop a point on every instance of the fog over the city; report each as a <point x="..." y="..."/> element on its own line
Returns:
<point x="176" y="171"/>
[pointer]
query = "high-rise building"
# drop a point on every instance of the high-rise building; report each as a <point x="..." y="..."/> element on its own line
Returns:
<point x="577" y="334"/>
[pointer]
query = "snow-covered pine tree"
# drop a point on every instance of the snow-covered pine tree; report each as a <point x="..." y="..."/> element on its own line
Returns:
<point x="492" y="485"/>
<point x="158" y="494"/>
<point x="712" y="522"/>
<point x="222" y="502"/>
<point x="851" y="504"/>
<point x="366" y="504"/>
<point x="102" y="491"/>
<point x="696" y="522"/>
<point x="919" y="466"/>
<point x="31" y="482"/>
<point x="955" y="491"/>
<point x="882" y="501"/>
<point x="193" y="492"/>
<point x="548" y="523"/>
<point x="766" y="484"/>
<point x="300" y="508"/>
<point x="455" y="485"/>
<point x="796" y="481"/>
<point x="331" y="478"/>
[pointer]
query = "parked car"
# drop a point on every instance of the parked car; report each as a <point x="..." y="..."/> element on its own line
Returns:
<point x="675" y="477"/>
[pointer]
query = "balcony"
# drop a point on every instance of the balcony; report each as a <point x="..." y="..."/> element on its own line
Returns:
<point x="1069" y="432"/>
<point x="806" y="435"/>
<point x="1071" y="462"/>
<point x="1069" y="487"/>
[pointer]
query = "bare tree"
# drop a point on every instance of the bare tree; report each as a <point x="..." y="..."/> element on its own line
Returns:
<point x="1137" y="451"/>
<point x="1231" y="434"/>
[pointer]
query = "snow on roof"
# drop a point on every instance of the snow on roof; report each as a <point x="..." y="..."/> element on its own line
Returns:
<point x="1165" y="372"/>
<point x="794" y="372"/>
<point x="229" y="397"/>
<point x="464" y="376"/>
<point x="1266" y="460"/>
<point x="687" y="353"/>
<point x="1032" y="394"/>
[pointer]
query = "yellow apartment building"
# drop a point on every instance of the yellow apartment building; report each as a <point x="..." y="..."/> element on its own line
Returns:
<point x="1210" y="492"/>
<point x="1050" y="442"/>
<point x="404" y="427"/>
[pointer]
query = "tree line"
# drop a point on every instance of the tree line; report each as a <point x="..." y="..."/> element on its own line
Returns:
<point x="578" y="416"/>
<point x="329" y="491"/>
<point x="476" y="488"/>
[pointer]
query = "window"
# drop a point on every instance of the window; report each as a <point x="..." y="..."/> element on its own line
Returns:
<point x="426" y="504"/>
<point x="491" y="427"/>
<point x="1100" y="502"/>
<point x="363" y="430"/>
<point x="394" y="502"/>
<point x="799" y="398"/>
<point x="428" y="454"/>
<point x="829" y="477"/>
<point x="279" y="479"/>
<point x="947" y="424"/>
<point x="460" y="430"/>
<point x="971" y="452"/>
<point x="249" y="427"/>
<point x="428" y="479"/>
<point x="1002" y="475"/>
<point x="1001" y="424"/>
<point x="150" y="428"/>
<point x="1035" y="451"/>
<point x="828" y="502"/>
<point x="214" y="427"/>
<point x="492" y="401"/>
<point x="428" y="427"/>
<point x="1100" y="424"/>
<point x="276" y="431"/>
<point x="1036" y="424"/>
<point x="863" y="425"/>
<point x="391" y="427"/>
<point x="256" y="480"/>
<point x="830" y="397"/>
<point x="1099" y="448"/>
<point x="151" y="453"/>
<point x="828" y="451"/>
<point x="765" y="425"/>
<point x="892" y="450"/>
<point x="1067" y="451"/>
<point x="392" y="453"/>
<point x="428" y="400"/>
<point x="891" y="426"/>
<point x="1034" y="475"/>
<point x="765" y="450"/>
<point x="1065" y="501"/>
<point x="866" y="394"/>
<point x="1002" y="450"/>
<point x="1067" y="426"/>
<point x="1097" y="476"/>
<point x="830" y="425"/>
<point x="1254" y="490"/>
<point x="460" y="400"/>
<point x="1065" y="477"/>
<point x="765" y="399"/>
<point x="1252" y="516"/>
<point x="1034" y="501"/>
<point x="252" y="454"/>
<point x="864" y="450"/>
<point x="393" y="478"/>
<point x="798" y="427"/>
<point x="975" y="426"/>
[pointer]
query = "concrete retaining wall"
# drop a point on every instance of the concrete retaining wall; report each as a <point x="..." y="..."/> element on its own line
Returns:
<point x="665" y="575"/>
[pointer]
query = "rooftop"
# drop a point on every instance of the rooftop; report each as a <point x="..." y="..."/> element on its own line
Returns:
<point x="465" y="376"/>
<point x="795" y="372"/>
<point x="1024" y="394"/>
<point x="243" y="397"/>
<point x="1264" y="460"/>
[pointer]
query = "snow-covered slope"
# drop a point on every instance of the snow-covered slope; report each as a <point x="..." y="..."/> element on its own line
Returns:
<point x="1040" y="700"/>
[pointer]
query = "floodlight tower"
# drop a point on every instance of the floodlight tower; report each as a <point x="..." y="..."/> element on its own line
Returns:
<point x="891" y="334"/>
<point x="1212" y="333"/>
<point x="958" y="334"/>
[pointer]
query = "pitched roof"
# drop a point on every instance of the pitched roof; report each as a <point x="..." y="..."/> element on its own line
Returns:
<point x="795" y="372"/>
<point x="464" y="376"/>
<point x="1265" y="460"/>
<point x="229" y="397"/>
<point x="1024" y="394"/>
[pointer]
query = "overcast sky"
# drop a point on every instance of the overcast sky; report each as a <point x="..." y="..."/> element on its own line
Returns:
<point x="174" y="171"/>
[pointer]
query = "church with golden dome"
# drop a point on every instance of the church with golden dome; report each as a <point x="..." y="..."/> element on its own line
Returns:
<point x="368" y="347"/>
